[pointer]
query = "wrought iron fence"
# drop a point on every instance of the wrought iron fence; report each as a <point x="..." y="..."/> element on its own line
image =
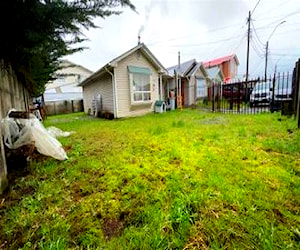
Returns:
<point x="251" y="97"/>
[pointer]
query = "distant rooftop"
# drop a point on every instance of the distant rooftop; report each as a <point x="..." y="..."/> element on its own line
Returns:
<point x="183" y="68"/>
<point x="218" y="61"/>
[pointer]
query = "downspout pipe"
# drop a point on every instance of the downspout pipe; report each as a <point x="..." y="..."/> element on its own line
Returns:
<point x="114" y="92"/>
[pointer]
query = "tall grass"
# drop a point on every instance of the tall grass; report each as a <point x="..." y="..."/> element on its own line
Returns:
<point x="178" y="180"/>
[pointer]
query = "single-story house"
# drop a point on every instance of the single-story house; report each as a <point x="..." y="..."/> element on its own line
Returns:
<point x="227" y="64"/>
<point x="127" y="86"/>
<point x="65" y="87"/>
<point x="188" y="80"/>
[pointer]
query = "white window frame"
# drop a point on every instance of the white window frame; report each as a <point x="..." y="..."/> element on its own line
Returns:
<point x="132" y="91"/>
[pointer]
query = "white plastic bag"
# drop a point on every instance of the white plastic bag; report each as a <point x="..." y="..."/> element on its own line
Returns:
<point x="20" y="132"/>
<point x="56" y="132"/>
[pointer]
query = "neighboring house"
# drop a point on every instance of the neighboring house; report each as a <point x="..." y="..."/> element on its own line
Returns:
<point x="188" y="80"/>
<point x="65" y="86"/>
<point x="127" y="86"/>
<point x="227" y="64"/>
<point x="215" y="74"/>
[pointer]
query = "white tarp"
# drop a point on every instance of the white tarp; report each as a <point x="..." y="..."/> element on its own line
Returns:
<point x="20" y="132"/>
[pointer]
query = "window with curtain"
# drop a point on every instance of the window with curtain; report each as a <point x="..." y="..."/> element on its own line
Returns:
<point x="140" y="84"/>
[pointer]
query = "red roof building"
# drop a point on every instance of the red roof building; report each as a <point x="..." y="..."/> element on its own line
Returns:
<point x="227" y="64"/>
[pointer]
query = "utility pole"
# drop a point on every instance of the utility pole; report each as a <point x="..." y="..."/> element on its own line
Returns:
<point x="267" y="48"/>
<point x="266" y="63"/>
<point x="248" y="44"/>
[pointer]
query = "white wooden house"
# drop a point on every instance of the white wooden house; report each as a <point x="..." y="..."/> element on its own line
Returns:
<point x="127" y="86"/>
<point x="65" y="85"/>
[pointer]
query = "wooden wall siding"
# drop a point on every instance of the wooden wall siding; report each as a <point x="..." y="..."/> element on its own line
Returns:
<point x="101" y="86"/>
<point x="226" y="69"/>
<point x="185" y="92"/>
<point x="125" y="108"/>
<point x="192" y="91"/>
<point x="12" y="93"/>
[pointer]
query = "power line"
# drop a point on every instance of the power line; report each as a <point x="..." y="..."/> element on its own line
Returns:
<point x="256" y="49"/>
<point x="205" y="43"/>
<point x="289" y="55"/>
<point x="239" y="44"/>
<point x="213" y="53"/>
<point x="196" y="34"/>
<point x="255" y="7"/>
<point x="259" y="46"/>
<point x="280" y="18"/>
<point x="255" y="33"/>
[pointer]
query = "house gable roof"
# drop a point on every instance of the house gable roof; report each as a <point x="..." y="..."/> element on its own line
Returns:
<point x="113" y="63"/>
<point x="200" y="66"/>
<point x="183" y="69"/>
<point x="219" y="61"/>
<point x="215" y="73"/>
<point x="69" y="64"/>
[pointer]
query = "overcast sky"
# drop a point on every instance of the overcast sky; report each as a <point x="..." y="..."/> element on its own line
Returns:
<point x="200" y="29"/>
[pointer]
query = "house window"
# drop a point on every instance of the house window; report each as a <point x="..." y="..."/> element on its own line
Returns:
<point x="201" y="88"/>
<point x="140" y="84"/>
<point x="60" y="78"/>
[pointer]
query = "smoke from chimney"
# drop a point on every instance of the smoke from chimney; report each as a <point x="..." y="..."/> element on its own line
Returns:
<point x="148" y="9"/>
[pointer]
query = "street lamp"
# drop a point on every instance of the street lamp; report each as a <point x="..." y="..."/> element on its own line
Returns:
<point x="267" y="47"/>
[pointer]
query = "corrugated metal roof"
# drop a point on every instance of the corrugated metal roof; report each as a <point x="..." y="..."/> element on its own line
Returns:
<point x="218" y="61"/>
<point x="195" y="68"/>
<point x="183" y="68"/>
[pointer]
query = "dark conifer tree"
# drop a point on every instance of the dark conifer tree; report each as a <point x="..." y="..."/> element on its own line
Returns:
<point x="35" y="34"/>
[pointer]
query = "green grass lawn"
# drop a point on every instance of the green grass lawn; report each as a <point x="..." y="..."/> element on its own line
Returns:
<point x="179" y="180"/>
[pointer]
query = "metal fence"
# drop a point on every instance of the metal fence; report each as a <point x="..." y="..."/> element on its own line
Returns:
<point x="255" y="96"/>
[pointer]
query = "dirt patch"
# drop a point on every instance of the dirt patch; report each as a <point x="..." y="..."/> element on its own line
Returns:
<point x="293" y="208"/>
<point x="112" y="228"/>
<point x="279" y="216"/>
<point x="78" y="192"/>
<point x="68" y="148"/>
<point x="199" y="241"/>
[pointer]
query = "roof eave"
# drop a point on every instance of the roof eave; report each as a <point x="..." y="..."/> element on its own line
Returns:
<point x="98" y="73"/>
<point x="153" y="59"/>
